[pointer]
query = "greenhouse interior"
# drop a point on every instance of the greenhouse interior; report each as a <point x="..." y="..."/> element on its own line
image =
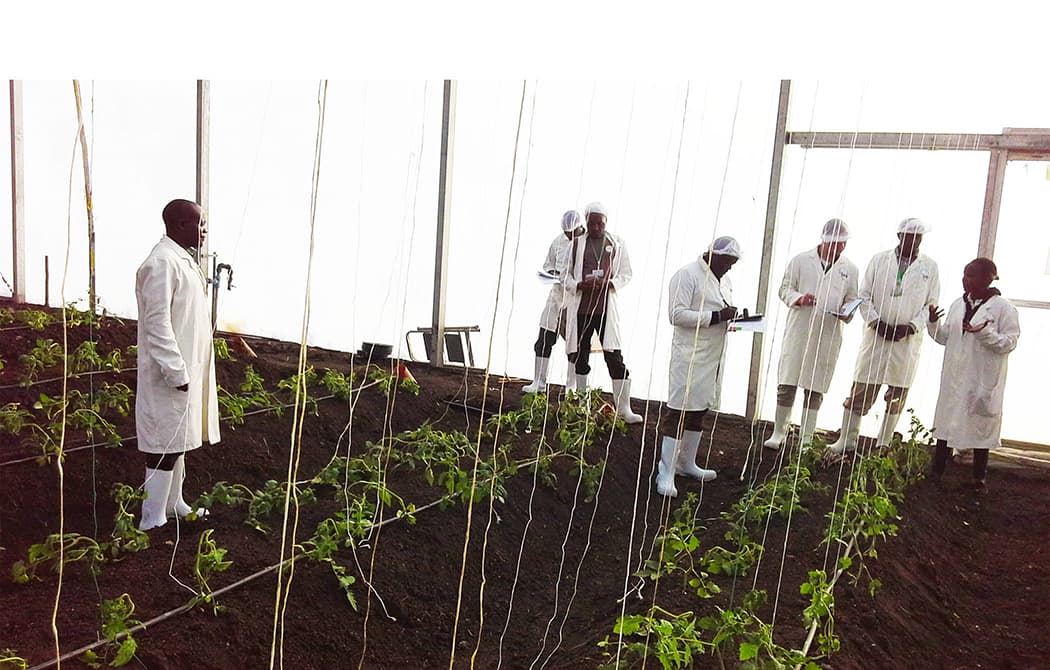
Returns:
<point x="357" y="378"/>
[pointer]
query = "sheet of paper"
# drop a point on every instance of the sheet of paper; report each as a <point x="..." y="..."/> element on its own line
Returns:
<point x="747" y="326"/>
<point x="547" y="278"/>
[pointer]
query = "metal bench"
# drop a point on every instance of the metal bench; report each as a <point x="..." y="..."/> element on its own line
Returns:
<point x="457" y="344"/>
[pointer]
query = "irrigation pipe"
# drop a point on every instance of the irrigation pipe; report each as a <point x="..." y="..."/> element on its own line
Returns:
<point x="73" y="375"/>
<point x="187" y="607"/>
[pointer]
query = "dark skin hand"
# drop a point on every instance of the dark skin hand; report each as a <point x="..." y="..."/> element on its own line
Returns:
<point x="727" y="313"/>
<point x="893" y="333"/>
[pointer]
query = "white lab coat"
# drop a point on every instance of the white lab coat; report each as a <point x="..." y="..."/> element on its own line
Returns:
<point x="621" y="276"/>
<point x="697" y="347"/>
<point x="174" y="348"/>
<point x="555" y="263"/>
<point x="813" y="337"/>
<point x="969" y="411"/>
<point x="882" y="361"/>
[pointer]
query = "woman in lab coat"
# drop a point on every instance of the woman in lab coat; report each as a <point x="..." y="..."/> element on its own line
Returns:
<point x="978" y="335"/>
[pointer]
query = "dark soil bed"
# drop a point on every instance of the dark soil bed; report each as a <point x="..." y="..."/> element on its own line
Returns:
<point x="965" y="582"/>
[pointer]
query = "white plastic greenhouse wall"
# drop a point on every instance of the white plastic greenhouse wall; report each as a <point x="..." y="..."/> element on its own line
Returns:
<point x="676" y="164"/>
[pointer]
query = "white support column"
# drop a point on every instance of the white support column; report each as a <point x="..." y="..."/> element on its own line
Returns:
<point x="18" y="209"/>
<point x="772" y="200"/>
<point x="448" y="123"/>
<point x="993" y="196"/>
<point x="204" y="162"/>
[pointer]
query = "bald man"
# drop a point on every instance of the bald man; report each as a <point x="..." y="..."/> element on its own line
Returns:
<point x="176" y="402"/>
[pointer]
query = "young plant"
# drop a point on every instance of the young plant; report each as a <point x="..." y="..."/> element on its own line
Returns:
<point x="210" y="560"/>
<point x="117" y="621"/>
<point x="675" y="549"/>
<point x="72" y="547"/>
<point x="9" y="660"/>
<point x="387" y="381"/>
<point x="35" y="319"/>
<point x="13" y="418"/>
<point x="44" y="354"/>
<point x="85" y="358"/>
<point x="76" y="317"/>
<point x="338" y="384"/>
<point x="301" y="384"/>
<point x="222" y="349"/>
<point x="126" y="536"/>
<point x="675" y="641"/>
<point x="739" y="630"/>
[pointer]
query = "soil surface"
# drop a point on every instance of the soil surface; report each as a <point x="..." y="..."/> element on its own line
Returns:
<point x="534" y="580"/>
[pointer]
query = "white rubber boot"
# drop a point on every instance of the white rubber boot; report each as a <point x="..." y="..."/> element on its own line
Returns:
<point x="539" y="377"/>
<point x="686" y="464"/>
<point x="158" y="486"/>
<point x="781" y="423"/>
<point x="570" y="379"/>
<point x="581" y="383"/>
<point x="666" y="469"/>
<point x="848" y="434"/>
<point x="889" y="424"/>
<point x="808" y="427"/>
<point x="622" y="398"/>
<point x="176" y="504"/>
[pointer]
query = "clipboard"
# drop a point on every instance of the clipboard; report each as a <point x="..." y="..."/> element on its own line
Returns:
<point x="848" y="309"/>
<point x="749" y="317"/>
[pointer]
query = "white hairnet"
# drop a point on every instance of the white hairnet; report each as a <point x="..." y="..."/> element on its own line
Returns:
<point x="835" y="230"/>
<point x="913" y="225"/>
<point x="725" y="246"/>
<point x="595" y="208"/>
<point x="570" y="221"/>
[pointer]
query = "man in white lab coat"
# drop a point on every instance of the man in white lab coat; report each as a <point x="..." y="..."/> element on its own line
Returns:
<point x="816" y="286"/>
<point x="552" y="319"/>
<point x="699" y="306"/>
<point x="176" y="404"/>
<point x="898" y="287"/>
<point x="598" y="269"/>
<point x="981" y="330"/>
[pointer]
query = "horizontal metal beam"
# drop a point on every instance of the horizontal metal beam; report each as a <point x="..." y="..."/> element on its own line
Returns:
<point x="1025" y="142"/>
<point x="1032" y="304"/>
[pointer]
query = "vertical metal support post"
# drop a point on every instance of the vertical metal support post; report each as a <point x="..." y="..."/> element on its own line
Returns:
<point x="993" y="197"/>
<point x="203" y="163"/>
<point x="88" y="203"/>
<point x="444" y="208"/>
<point x="772" y="200"/>
<point x="18" y="207"/>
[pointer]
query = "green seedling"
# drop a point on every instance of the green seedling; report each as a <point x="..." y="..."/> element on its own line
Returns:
<point x="117" y="621"/>
<point x="210" y="559"/>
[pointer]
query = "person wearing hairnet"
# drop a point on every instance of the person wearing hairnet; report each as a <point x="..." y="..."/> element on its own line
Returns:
<point x="979" y="333"/>
<point x="898" y="287"/>
<point x="699" y="306"/>
<point x="552" y="319"/>
<point x="176" y="399"/>
<point x="816" y="285"/>
<point x="598" y="269"/>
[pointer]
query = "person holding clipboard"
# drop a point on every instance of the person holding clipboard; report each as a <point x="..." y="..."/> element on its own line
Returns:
<point x="820" y="290"/>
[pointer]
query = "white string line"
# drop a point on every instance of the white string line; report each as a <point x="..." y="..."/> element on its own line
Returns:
<point x="62" y="415"/>
<point x="608" y="444"/>
<point x="585" y="392"/>
<point x="388" y="428"/>
<point x="546" y="411"/>
<point x="506" y="346"/>
<point x="665" y="503"/>
<point x="299" y="412"/>
<point x="655" y="455"/>
<point x="251" y="178"/>
<point x="801" y="440"/>
<point x="488" y="366"/>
